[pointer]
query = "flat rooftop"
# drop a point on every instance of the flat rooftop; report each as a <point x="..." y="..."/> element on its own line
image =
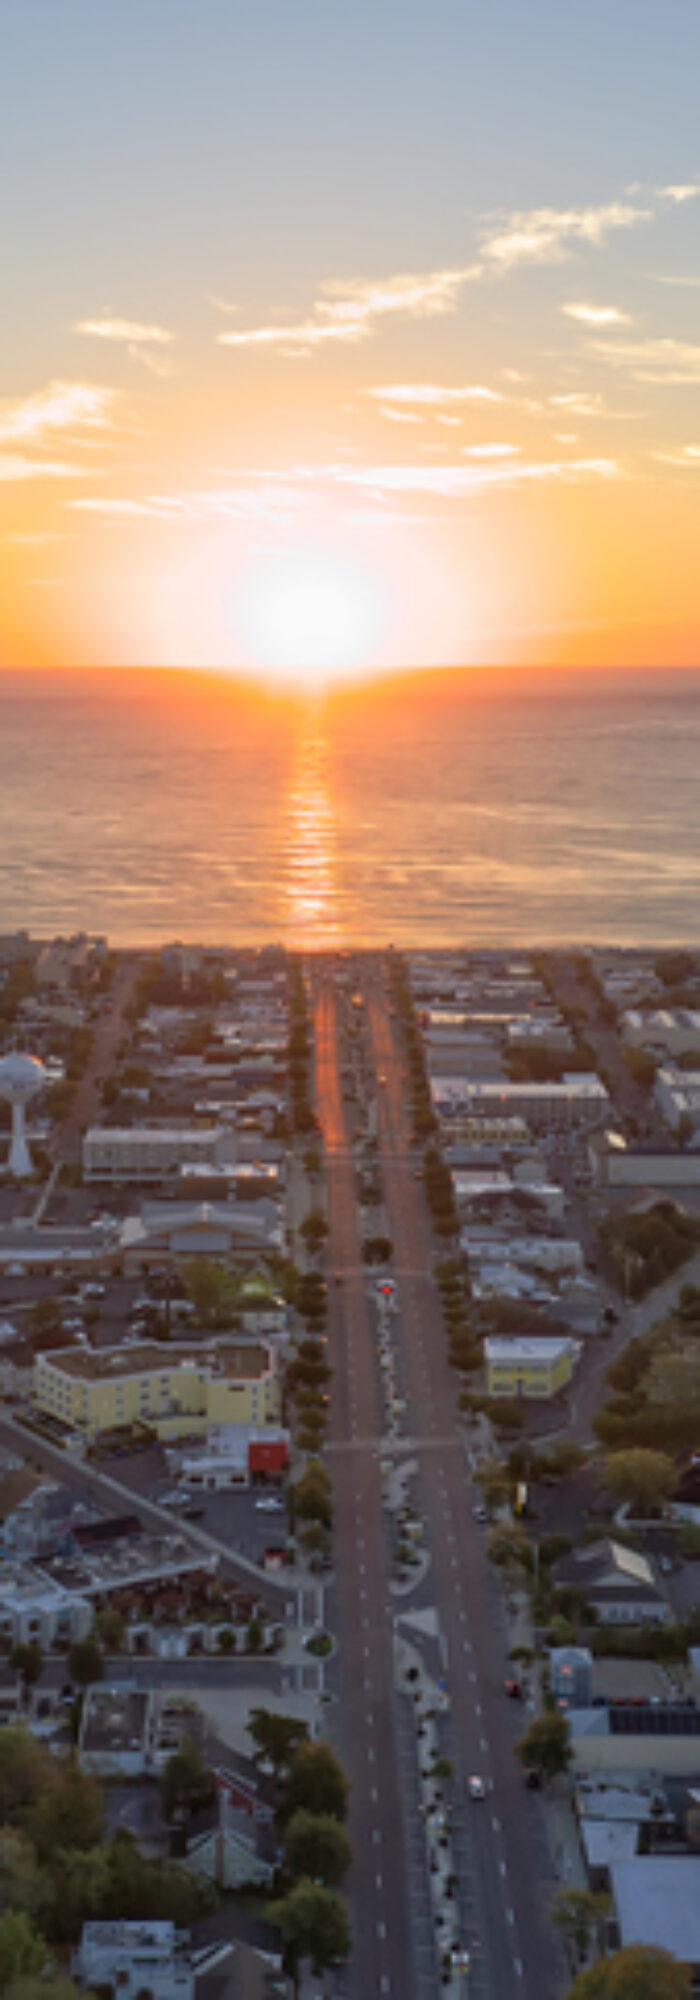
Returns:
<point x="115" y="1719"/>
<point x="240" y="1361"/>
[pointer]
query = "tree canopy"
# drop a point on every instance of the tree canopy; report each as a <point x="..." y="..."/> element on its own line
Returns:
<point x="314" y="1924"/>
<point x="641" y="1478"/>
<point x="316" y="1783"/>
<point x="546" y="1745"/>
<point x="277" y="1737"/>
<point x="639" y="1972"/>
<point x="316" y="1845"/>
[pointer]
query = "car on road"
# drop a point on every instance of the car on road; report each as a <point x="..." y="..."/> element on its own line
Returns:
<point x="270" y="1503"/>
<point x="476" y="1788"/>
<point x="514" y="1689"/>
<point x="480" y="1512"/>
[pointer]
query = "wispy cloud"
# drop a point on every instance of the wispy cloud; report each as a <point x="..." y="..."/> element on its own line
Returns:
<point x="265" y="497"/>
<point x="687" y="455"/>
<point x="545" y="235"/>
<point x="134" y="332"/>
<point x="495" y="450"/>
<point x="432" y="395"/>
<point x="680" y="191"/>
<point x="13" y="466"/>
<point x="595" y="315"/>
<point x="664" y="361"/>
<point x="401" y="416"/>
<point x="62" y="406"/>
<point x="348" y="311"/>
<point x="685" y="282"/>
<point x="455" y="482"/>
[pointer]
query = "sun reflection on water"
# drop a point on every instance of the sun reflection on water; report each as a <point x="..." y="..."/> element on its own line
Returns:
<point x="311" y="900"/>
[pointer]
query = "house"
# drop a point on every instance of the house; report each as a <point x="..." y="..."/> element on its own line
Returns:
<point x="536" y="1367"/>
<point x="619" y="1584"/>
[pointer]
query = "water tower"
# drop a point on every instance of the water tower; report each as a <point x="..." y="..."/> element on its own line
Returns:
<point x="21" y="1078"/>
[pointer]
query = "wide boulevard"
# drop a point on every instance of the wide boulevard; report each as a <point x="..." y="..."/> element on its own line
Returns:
<point x="500" y="1847"/>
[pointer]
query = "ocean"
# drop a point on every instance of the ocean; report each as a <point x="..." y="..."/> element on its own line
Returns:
<point x="494" y="807"/>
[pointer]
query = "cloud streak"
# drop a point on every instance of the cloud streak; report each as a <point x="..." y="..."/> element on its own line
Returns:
<point x="432" y="395"/>
<point x="663" y="362"/>
<point x="128" y="332"/>
<point x="62" y="406"/>
<point x="595" y="315"/>
<point x="547" y="235"/>
<point x="348" y="311"/>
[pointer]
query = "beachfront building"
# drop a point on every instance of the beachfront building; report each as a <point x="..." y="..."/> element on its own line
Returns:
<point x="175" y="1391"/>
<point x="535" y="1368"/>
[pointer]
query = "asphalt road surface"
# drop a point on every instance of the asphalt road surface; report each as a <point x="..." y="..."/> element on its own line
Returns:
<point x="504" y="1879"/>
<point x="501" y="1844"/>
<point x="365" y="1720"/>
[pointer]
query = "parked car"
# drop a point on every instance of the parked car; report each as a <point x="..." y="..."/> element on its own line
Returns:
<point x="270" y="1503"/>
<point x="476" y="1788"/>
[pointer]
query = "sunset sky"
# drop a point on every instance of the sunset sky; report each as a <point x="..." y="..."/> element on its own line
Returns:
<point x="343" y="337"/>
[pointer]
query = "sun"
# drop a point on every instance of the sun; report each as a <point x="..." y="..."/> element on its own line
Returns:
<point x="310" y="617"/>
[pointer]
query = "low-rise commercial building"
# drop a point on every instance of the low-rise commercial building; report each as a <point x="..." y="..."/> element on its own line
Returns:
<point x="166" y="1231"/>
<point x="580" y="1099"/>
<point x="536" y="1367"/>
<point x="115" y="1153"/>
<point x="174" y="1391"/>
<point x="35" y="1607"/>
<point x="134" y="1959"/>
<point x="677" y="1093"/>
<point x="673" y="1031"/>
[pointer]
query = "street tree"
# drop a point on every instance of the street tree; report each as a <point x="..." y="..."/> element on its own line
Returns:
<point x="317" y="1846"/>
<point x="638" y="1972"/>
<point x="580" y="1915"/>
<point x="311" y="1495"/>
<point x="314" y="1230"/>
<point x="546" y="1745"/>
<point x="109" y="1626"/>
<point x="316" y="1783"/>
<point x="85" y="1662"/>
<point x="314" y="1924"/>
<point x="494" y="1479"/>
<point x="508" y="1547"/>
<point x="640" y="1478"/>
<point x="277" y="1737"/>
<point x="28" y="1661"/>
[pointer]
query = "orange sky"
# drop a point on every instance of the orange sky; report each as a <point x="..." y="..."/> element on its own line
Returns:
<point x="261" y="409"/>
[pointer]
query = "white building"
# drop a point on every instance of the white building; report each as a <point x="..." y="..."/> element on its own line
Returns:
<point x="677" y="1093"/>
<point x="35" y="1607"/>
<point x="674" y="1031"/>
<point x="117" y="1153"/>
<point x="580" y="1099"/>
<point x="134" y="1959"/>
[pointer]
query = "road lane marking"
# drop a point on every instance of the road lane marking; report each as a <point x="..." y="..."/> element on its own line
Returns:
<point x="376" y="1836"/>
<point x="378" y="1882"/>
<point x="381" y="1929"/>
<point x="496" y="1824"/>
<point x="510" y="1916"/>
<point x="502" y="1868"/>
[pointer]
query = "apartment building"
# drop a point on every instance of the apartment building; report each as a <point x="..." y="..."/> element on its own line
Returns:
<point x="175" y="1391"/>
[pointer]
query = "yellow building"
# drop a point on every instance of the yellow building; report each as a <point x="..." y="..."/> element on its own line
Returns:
<point x="534" y="1368"/>
<point x="175" y="1391"/>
